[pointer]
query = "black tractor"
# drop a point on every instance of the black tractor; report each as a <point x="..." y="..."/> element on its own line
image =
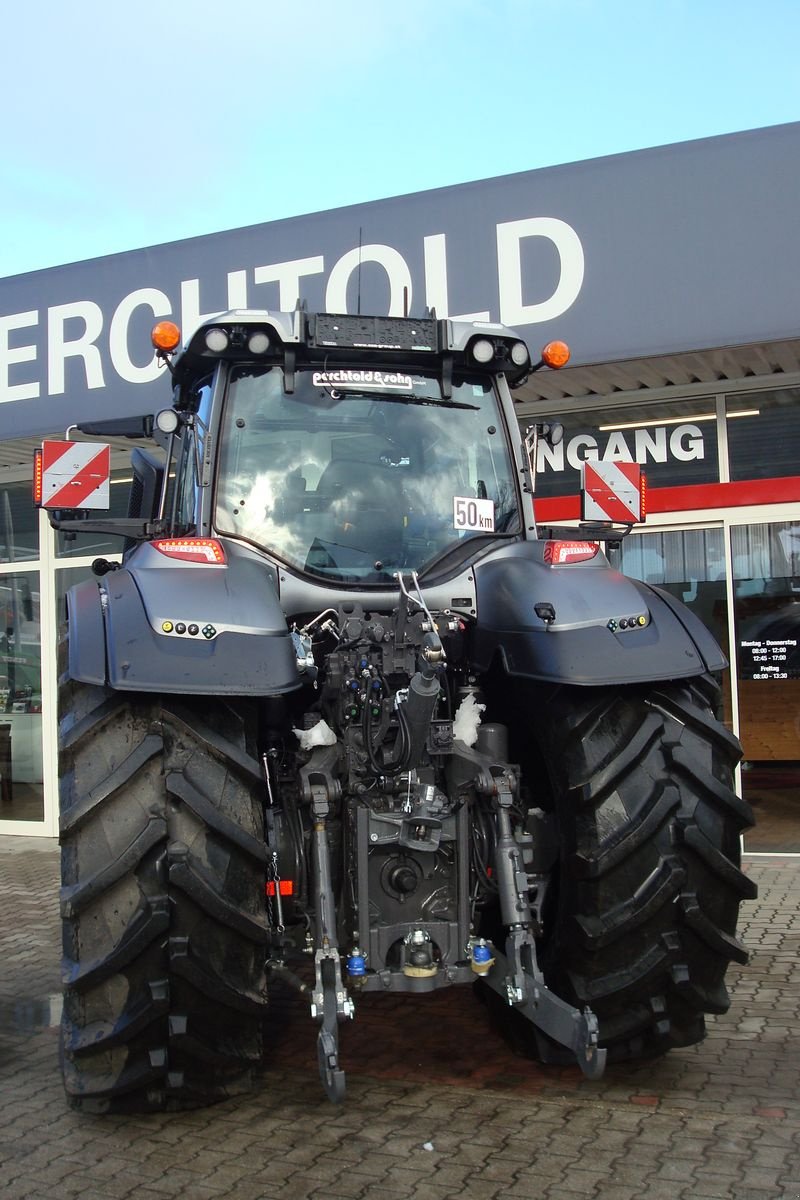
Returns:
<point x="344" y="717"/>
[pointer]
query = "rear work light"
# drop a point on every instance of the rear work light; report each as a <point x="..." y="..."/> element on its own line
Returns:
<point x="562" y="553"/>
<point x="483" y="350"/>
<point x="207" y="551"/>
<point x="217" y="340"/>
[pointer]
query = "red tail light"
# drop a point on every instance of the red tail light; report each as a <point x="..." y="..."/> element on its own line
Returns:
<point x="207" y="551"/>
<point x="561" y="553"/>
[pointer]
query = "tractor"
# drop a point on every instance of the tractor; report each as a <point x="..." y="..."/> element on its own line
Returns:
<point x="344" y="717"/>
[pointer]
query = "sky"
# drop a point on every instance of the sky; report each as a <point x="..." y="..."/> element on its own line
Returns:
<point x="130" y="125"/>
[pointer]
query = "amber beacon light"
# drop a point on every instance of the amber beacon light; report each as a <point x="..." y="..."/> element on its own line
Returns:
<point x="166" y="336"/>
<point x="555" y="355"/>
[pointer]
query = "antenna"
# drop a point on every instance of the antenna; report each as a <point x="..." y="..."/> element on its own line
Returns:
<point x="358" y="308"/>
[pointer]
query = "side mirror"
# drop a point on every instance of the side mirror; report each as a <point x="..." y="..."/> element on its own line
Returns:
<point x="123" y="427"/>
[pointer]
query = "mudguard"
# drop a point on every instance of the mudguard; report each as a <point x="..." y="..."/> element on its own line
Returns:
<point x="161" y="625"/>
<point x="595" y="637"/>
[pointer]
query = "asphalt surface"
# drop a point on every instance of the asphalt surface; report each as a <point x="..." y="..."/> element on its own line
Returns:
<point x="438" y="1107"/>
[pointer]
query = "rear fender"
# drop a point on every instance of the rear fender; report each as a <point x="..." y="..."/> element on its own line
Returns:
<point x="123" y="629"/>
<point x="590" y="642"/>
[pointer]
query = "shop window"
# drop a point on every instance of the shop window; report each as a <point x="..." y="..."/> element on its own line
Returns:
<point x="675" y="443"/>
<point x="690" y="564"/>
<point x="766" y="569"/>
<point x="764" y="434"/>
<point x="21" y="787"/>
<point x="19" y="523"/>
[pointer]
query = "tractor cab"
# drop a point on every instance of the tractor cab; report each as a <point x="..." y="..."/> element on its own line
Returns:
<point x="349" y="449"/>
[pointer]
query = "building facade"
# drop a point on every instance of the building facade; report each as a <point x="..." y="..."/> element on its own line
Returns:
<point x="673" y="273"/>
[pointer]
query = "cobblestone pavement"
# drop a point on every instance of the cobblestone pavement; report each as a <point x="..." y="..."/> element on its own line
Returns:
<point x="437" y="1105"/>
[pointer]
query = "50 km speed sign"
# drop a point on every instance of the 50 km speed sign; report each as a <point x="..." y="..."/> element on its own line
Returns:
<point x="469" y="513"/>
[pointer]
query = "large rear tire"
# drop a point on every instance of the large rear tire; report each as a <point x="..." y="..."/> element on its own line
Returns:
<point x="162" y="900"/>
<point x="649" y="881"/>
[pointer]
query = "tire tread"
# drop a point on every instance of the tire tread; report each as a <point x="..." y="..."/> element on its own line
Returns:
<point x="162" y="899"/>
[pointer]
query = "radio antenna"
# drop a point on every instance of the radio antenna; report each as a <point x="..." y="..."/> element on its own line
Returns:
<point x="358" y="306"/>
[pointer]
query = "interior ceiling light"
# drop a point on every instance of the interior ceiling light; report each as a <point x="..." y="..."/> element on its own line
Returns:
<point x="645" y="422"/>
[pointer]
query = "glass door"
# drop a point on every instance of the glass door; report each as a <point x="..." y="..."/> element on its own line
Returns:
<point x="22" y="799"/>
<point x="759" y="586"/>
<point x="21" y="777"/>
<point x="766" y="606"/>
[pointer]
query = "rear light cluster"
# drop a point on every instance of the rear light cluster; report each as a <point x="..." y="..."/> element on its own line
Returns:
<point x="562" y="553"/>
<point x="207" y="551"/>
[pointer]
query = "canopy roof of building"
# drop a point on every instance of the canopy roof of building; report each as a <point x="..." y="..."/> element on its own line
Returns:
<point x="752" y="367"/>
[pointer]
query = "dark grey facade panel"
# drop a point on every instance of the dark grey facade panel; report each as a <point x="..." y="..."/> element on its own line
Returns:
<point x="660" y="251"/>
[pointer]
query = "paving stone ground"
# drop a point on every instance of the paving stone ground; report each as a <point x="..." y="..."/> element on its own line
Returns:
<point x="721" y="1119"/>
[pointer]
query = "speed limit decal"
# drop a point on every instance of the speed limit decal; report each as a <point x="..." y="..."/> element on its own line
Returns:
<point x="469" y="513"/>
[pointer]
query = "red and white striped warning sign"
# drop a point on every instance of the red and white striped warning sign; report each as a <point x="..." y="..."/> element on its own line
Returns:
<point x="612" y="491"/>
<point x="75" y="475"/>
